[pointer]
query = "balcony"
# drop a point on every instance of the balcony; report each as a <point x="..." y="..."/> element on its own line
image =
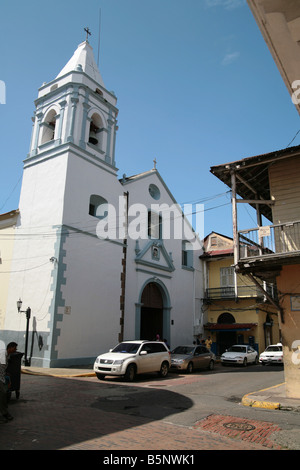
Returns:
<point x="243" y="292"/>
<point x="266" y="249"/>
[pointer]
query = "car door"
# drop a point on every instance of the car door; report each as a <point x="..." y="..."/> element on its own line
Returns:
<point x="251" y="353"/>
<point x="201" y="357"/>
<point x="205" y="356"/>
<point x="145" y="361"/>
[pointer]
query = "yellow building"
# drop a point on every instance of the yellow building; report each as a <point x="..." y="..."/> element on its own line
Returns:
<point x="7" y="227"/>
<point x="236" y="310"/>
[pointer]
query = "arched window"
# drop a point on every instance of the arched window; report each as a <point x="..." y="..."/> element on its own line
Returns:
<point x="49" y="127"/>
<point x="95" y="132"/>
<point x="226" y="318"/>
<point x="98" y="206"/>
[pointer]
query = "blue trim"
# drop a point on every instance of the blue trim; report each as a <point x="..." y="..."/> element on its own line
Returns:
<point x="58" y="276"/>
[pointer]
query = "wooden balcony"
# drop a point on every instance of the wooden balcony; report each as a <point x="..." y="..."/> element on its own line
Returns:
<point x="267" y="249"/>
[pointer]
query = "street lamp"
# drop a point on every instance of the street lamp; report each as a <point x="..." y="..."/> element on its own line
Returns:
<point x="28" y="313"/>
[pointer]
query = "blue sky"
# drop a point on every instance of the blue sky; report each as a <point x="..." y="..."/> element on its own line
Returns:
<point x="195" y="81"/>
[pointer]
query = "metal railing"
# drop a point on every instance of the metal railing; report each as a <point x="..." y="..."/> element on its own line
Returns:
<point x="245" y="291"/>
<point x="269" y="240"/>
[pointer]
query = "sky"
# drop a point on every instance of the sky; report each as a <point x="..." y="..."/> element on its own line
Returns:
<point x="196" y="87"/>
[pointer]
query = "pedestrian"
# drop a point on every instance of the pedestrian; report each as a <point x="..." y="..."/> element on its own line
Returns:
<point x="4" y="381"/>
<point x="208" y="342"/>
<point x="166" y="343"/>
<point x="157" y="337"/>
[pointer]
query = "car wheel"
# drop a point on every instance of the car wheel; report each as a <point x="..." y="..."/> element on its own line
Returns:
<point x="130" y="373"/>
<point x="245" y="362"/>
<point x="190" y="368"/>
<point x="164" y="369"/>
<point x="211" y="365"/>
<point x="100" y="376"/>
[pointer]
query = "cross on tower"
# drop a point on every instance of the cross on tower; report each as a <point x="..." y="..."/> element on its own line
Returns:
<point x="88" y="33"/>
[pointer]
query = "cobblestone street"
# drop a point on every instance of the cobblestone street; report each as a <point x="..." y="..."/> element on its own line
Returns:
<point x="77" y="414"/>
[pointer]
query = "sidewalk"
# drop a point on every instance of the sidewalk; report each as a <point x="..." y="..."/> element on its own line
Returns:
<point x="273" y="398"/>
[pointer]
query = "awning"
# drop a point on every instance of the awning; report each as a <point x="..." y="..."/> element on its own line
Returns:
<point x="229" y="326"/>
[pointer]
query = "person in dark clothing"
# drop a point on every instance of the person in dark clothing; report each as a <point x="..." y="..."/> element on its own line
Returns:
<point x="4" y="384"/>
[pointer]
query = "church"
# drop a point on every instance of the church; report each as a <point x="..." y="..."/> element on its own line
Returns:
<point x="96" y="257"/>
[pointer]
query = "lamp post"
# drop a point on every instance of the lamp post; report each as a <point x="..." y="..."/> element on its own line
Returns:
<point x="28" y="314"/>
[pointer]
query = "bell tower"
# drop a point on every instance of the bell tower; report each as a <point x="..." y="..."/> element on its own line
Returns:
<point x="76" y="108"/>
<point x="60" y="266"/>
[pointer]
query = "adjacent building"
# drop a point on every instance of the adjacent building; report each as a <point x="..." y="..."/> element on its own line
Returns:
<point x="270" y="252"/>
<point x="236" y="309"/>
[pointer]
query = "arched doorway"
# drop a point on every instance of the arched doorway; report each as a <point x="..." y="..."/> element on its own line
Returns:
<point x="225" y="338"/>
<point x="151" y="312"/>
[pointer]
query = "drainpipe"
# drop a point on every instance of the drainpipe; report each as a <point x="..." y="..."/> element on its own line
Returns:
<point x="123" y="275"/>
<point x="234" y="226"/>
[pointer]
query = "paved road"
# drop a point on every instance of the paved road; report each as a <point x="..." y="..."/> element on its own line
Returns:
<point x="201" y="411"/>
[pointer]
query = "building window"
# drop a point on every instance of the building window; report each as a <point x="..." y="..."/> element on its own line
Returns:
<point x="154" y="225"/>
<point x="227" y="281"/>
<point x="187" y="254"/>
<point x="98" y="207"/>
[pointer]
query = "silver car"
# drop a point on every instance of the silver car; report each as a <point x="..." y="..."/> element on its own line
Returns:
<point x="192" y="357"/>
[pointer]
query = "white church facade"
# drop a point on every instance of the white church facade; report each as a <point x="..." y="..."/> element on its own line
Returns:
<point x="97" y="258"/>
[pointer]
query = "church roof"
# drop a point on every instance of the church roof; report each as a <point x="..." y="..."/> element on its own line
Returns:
<point x="83" y="56"/>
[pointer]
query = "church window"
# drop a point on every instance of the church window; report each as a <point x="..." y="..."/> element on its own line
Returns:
<point x="154" y="225"/>
<point x="49" y="127"/>
<point x="98" y="207"/>
<point x="187" y="254"/>
<point x="154" y="191"/>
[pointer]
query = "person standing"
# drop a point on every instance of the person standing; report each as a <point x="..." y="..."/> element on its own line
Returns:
<point x="208" y="342"/>
<point x="11" y="348"/>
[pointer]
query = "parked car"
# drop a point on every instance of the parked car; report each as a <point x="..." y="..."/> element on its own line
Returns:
<point x="192" y="357"/>
<point x="239" y="354"/>
<point x="273" y="354"/>
<point x="130" y="358"/>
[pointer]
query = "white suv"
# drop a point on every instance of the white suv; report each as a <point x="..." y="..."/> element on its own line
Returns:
<point x="134" y="357"/>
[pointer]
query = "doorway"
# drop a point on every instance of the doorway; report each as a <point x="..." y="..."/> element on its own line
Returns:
<point x="225" y="338"/>
<point x="151" y="312"/>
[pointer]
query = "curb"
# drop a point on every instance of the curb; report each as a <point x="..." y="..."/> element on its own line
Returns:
<point x="254" y="403"/>
<point x="30" y="372"/>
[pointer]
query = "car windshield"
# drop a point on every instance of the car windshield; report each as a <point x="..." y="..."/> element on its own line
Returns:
<point x="237" y="349"/>
<point x="126" y="348"/>
<point x="183" y="350"/>
<point x="274" y="348"/>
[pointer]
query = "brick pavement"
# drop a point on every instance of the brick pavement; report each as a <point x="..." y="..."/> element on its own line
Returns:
<point x="55" y="413"/>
